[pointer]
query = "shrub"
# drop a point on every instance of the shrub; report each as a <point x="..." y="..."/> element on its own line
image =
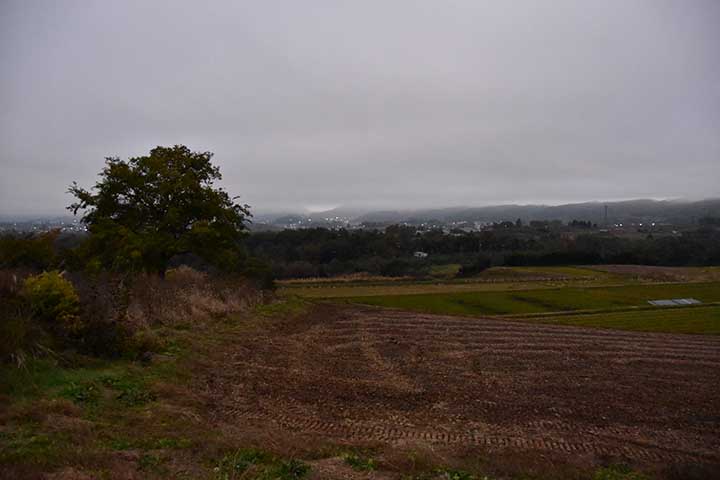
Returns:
<point x="241" y="461"/>
<point x="292" y="469"/>
<point x="260" y="273"/>
<point x="480" y="264"/>
<point x="84" y="393"/>
<point x="400" y="267"/>
<point x="359" y="463"/>
<point x="33" y="251"/>
<point x="53" y="299"/>
<point x="20" y="337"/>
<point x="101" y="338"/>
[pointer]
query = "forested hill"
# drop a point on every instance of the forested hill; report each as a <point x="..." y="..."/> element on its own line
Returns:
<point x="670" y="211"/>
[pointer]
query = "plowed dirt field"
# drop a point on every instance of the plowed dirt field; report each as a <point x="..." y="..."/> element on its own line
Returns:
<point x="360" y="374"/>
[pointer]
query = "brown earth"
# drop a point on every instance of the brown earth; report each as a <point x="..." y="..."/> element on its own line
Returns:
<point x="360" y="375"/>
<point x="662" y="274"/>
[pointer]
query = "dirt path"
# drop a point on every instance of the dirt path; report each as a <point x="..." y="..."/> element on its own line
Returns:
<point x="357" y="374"/>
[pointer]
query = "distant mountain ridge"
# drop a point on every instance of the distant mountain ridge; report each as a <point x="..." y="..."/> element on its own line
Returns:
<point x="671" y="211"/>
<point x="638" y="210"/>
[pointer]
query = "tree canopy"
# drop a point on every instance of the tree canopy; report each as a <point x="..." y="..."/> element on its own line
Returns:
<point x="146" y="210"/>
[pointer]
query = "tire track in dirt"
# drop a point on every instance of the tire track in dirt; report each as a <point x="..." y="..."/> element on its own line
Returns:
<point x="362" y="374"/>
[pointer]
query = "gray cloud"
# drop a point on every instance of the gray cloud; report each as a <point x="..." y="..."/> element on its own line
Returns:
<point x="394" y="104"/>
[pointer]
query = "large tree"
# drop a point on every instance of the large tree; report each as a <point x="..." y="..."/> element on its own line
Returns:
<point x="145" y="210"/>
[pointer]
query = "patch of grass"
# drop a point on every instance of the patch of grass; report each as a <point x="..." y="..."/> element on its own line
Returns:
<point x="173" y="443"/>
<point x="84" y="393"/>
<point x="359" y="463"/>
<point x="147" y="442"/>
<point x="121" y="444"/>
<point x="25" y="445"/>
<point x="543" y="300"/>
<point x="240" y="461"/>
<point x="618" y="472"/>
<point x="262" y="466"/>
<point x="35" y="377"/>
<point x="131" y="392"/>
<point x="283" y="307"/>
<point x="448" y="474"/>
<point x="445" y="474"/>
<point x="700" y="319"/>
<point x="149" y="462"/>
<point x="292" y="469"/>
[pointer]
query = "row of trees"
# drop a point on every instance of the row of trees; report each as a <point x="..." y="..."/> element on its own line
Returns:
<point x="323" y="252"/>
<point x="148" y="213"/>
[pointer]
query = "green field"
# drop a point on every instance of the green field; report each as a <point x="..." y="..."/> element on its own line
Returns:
<point x="570" y="295"/>
<point x="509" y="302"/>
<point x="696" y="319"/>
<point x="493" y="279"/>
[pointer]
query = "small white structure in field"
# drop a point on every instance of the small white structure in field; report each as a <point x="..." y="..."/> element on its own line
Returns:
<point x="674" y="302"/>
<point x="419" y="254"/>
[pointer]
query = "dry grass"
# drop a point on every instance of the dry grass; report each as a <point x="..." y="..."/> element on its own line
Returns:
<point x="186" y="295"/>
<point x="144" y="300"/>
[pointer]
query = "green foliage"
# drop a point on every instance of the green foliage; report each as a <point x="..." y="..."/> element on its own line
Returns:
<point x="321" y="252"/>
<point x="146" y="210"/>
<point x="241" y="460"/>
<point x="135" y="396"/>
<point x="28" y="446"/>
<point x="262" y="465"/>
<point x="479" y="264"/>
<point x="175" y="443"/>
<point x="618" y="472"/>
<point x="449" y="474"/>
<point x="149" y="462"/>
<point x="360" y="463"/>
<point x="284" y="307"/>
<point x="131" y="391"/>
<point x="547" y="300"/>
<point x="15" y="336"/>
<point x="53" y="299"/>
<point x="445" y="474"/>
<point x="699" y="319"/>
<point x="143" y="341"/>
<point x="141" y="442"/>
<point x="20" y="337"/>
<point x="85" y="393"/>
<point x="292" y="469"/>
<point x="260" y="272"/>
<point x="33" y="251"/>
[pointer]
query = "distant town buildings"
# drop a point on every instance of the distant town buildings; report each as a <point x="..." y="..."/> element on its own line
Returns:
<point x="64" y="224"/>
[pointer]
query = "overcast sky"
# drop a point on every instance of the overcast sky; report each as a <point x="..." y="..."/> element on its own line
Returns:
<point x="371" y="103"/>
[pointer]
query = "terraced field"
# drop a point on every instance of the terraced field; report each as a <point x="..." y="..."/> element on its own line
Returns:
<point x="701" y="319"/>
<point x="529" y="301"/>
<point x="493" y="279"/>
<point x="359" y="374"/>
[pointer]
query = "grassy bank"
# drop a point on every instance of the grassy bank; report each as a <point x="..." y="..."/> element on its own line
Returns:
<point x="86" y="417"/>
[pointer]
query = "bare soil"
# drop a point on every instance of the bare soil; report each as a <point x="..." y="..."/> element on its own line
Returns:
<point x="663" y="274"/>
<point x="360" y="375"/>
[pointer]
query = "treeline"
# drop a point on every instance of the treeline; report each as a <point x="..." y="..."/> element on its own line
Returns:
<point x="321" y="252"/>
